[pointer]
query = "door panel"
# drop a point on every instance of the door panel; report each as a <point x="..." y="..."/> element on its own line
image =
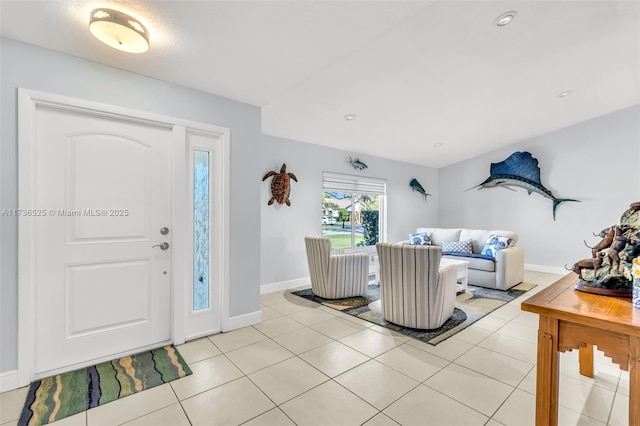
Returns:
<point x="93" y="182"/>
<point x="97" y="282"/>
<point x="101" y="288"/>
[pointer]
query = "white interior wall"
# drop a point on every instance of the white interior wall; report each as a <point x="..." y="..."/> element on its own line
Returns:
<point x="595" y="161"/>
<point x="23" y="65"/>
<point x="283" y="228"/>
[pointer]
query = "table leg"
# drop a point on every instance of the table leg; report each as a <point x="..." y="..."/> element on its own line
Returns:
<point x="585" y="357"/>
<point x="634" y="381"/>
<point x="465" y="279"/>
<point x="547" y="375"/>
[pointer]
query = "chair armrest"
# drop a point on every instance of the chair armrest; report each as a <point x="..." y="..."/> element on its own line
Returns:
<point x="447" y="275"/>
<point x="509" y="267"/>
<point x="446" y="291"/>
<point x="359" y="249"/>
<point x="354" y="256"/>
<point x="350" y="269"/>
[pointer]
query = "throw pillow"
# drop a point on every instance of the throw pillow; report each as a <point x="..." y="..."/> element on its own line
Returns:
<point x="457" y="246"/>
<point x="420" y="239"/>
<point x="495" y="243"/>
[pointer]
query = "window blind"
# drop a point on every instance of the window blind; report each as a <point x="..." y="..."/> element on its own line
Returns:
<point x="337" y="182"/>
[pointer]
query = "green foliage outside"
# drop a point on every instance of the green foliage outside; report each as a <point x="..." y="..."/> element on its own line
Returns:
<point x="343" y="216"/>
<point x="344" y="240"/>
<point x="329" y="205"/>
<point x="370" y="227"/>
<point x="369" y="215"/>
<point x="369" y="202"/>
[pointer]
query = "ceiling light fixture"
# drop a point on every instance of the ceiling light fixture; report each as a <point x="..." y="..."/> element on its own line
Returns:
<point x="506" y="18"/>
<point x="119" y="30"/>
<point x="350" y="117"/>
<point x="564" y="94"/>
<point x="437" y="144"/>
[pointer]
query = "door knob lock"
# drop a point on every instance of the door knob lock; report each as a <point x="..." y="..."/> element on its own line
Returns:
<point x="163" y="246"/>
<point x="164" y="231"/>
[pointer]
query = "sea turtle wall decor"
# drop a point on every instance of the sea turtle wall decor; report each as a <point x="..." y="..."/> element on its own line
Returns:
<point x="280" y="185"/>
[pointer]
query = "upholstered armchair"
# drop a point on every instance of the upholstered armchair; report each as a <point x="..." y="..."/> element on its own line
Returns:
<point x="335" y="276"/>
<point x="414" y="291"/>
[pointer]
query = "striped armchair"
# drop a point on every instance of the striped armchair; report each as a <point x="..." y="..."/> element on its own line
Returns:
<point x="335" y="276"/>
<point x="414" y="291"/>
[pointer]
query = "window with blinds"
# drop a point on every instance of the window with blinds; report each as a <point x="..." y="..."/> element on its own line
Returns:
<point x="353" y="209"/>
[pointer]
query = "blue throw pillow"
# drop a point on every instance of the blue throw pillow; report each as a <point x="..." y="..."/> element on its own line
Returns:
<point x="457" y="246"/>
<point x="420" y="239"/>
<point x="495" y="243"/>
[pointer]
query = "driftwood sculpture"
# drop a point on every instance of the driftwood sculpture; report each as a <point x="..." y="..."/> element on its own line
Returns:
<point x="603" y="273"/>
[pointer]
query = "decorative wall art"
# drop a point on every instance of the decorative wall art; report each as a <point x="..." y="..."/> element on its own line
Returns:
<point x="607" y="271"/>
<point x="280" y="185"/>
<point x="357" y="164"/>
<point x="416" y="187"/>
<point x="520" y="170"/>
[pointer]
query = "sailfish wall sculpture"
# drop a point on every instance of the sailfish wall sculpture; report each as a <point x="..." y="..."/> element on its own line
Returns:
<point x="520" y="170"/>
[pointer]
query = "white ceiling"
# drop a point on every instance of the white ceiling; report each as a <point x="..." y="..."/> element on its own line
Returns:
<point x="415" y="73"/>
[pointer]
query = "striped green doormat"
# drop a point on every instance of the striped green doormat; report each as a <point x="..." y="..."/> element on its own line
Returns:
<point x="66" y="394"/>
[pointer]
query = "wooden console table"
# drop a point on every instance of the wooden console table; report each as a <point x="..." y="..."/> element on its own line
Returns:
<point x="571" y="319"/>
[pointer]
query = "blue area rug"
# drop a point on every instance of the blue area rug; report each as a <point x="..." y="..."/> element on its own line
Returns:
<point x="472" y="305"/>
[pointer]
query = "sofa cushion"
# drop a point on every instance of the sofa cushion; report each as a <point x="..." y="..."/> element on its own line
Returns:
<point x="478" y="238"/>
<point x="495" y="243"/>
<point x="476" y="261"/>
<point x="457" y="246"/>
<point x="420" y="239"/>
<point x="508" y="234"/>
<point x="438" y="235"/>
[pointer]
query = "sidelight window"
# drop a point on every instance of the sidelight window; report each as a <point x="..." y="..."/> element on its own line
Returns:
<point x="201" y="202"/>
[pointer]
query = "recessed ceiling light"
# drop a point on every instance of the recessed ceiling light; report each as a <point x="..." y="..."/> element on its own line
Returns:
<point x="565" y="93"/>
<point x="119" y="30"/>
<point x="506" y="18"/>
<point x="350" y="117"/>
<point x="437" y="144"/>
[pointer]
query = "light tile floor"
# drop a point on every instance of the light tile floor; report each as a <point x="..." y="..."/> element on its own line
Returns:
<point x="306" y="364"/>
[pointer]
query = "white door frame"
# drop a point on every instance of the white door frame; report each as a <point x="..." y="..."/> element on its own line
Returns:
<point x="28" y="100"/>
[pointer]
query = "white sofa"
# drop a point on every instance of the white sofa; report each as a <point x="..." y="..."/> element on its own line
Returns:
<point x="503" y="272"/>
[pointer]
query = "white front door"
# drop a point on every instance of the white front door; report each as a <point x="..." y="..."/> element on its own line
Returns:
<point x="102" y="282"/>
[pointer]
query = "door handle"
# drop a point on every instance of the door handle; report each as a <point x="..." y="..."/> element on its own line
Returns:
<point x="163" y="246"/>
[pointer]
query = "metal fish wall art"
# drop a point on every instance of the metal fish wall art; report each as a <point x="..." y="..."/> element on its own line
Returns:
<point x="520" y="170"/>
<point x="357" y="164"/>
<point x="415" y="186"/>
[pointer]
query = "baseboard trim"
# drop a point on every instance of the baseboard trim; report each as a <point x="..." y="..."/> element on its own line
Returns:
<point x="545" y="268"/>
<point x="240" y="321"/>
<point x="8" y="380"/>
<point x="285" y="285"/>
<point x="202" y="334"/>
